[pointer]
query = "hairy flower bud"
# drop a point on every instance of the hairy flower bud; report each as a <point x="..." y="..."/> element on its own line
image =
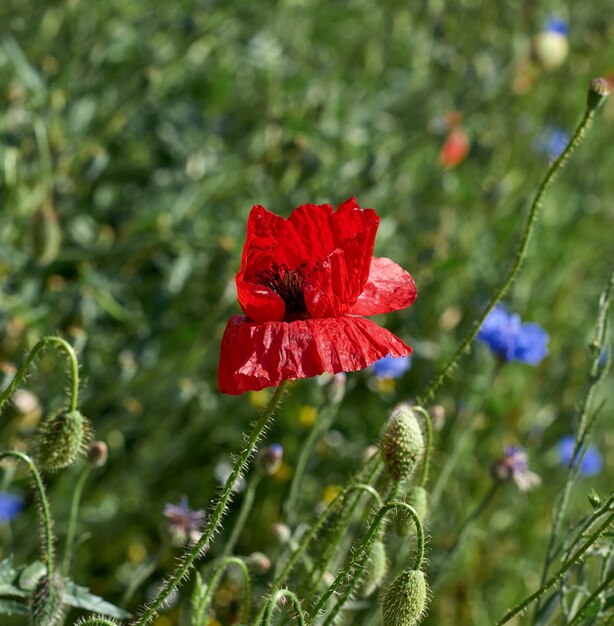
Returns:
<point x="46" y="235"/>
<point x="46" y="602"/>
<point x="405" y="599"/>
<point x="98" y="453"/>
<point x="598" y="90"/>
<point x="375" y="570"/>
<point x="418" y="498"/>
<point x="402" y="444"/>
<point x="62" y="439"/>
<point x="281" y="533"/>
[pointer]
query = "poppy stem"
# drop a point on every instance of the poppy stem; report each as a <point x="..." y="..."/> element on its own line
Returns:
<point x="72" y="520"/>
<point x="60" y="344"/>
<point x="43" y="507"/>
<point x="521" y="253"/>
<point x="199" y="549"/>
<point x="277" y="597"/>
<point x="428" y="445"/>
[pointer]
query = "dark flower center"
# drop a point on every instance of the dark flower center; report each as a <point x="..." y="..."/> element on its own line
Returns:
<point x="289" y="285"/>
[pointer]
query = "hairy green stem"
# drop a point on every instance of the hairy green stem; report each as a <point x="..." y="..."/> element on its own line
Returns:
<point x="521" y="253"/>
<point x="366" y="545"/>
<point x="61" y="344"/>
<point x="43" y="507"/>
<point x="325" y="417"/>
<point x="97" y="621"/>
<point x="281" y="594"/>
<point x="214" y="581"/>
<point x="72" y="520"/>
<point x="559" y="574"/>
<point x="213" y="525"/>
<point x="428" y="445"/>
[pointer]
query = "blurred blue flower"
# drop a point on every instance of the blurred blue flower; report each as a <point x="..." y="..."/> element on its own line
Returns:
<point x="10" y="506"/>
<point x="514" y="465"/>
<point x="184" y="524"/>
<point x="551" y="142"/>
<point x="555" y="24"/>
<point x="592" y="461"/>
<point x="511" y="340"/>
<point x="391" y="367"/>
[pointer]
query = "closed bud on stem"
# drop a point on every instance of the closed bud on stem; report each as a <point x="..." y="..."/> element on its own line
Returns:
<point x="62" y="439"/>
<point x="418" y="498"/>
<point x="402" y="444"/>
<point x="98" y="453"/>
<point x="375" y="570"/>
<point x="258" y="563"/>
<point x="281" y="533"/>
<point x="269" y="459"/>
<point x="46" y="235"/>
<point x="598" y="90"/>
<point x="46" y="602"/>
<point x="404" y="601"/>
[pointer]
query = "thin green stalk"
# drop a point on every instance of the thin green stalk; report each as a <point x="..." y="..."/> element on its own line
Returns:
<point x="282" y="594"/>
<point x="244" y="511"/>
<point x="605" y="584"/>
<point x="43" y="507"/>
<point x="559" y="574"/>
<point x="428" y="445"/>
<point x="366" y="545"/>
<point x="449" y="556"/>
<point x="596" y="376"/>
<point x="72" y="520"/>
<point x="61" y="344"/>
<point x="327" y="551"/>
<point x="325" y="417"/>
<point x="200" y="548"/>
<point x="214" y="581"/>
<point x="521" y="254"/>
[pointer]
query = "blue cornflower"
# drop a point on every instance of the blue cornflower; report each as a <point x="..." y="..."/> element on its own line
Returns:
<point x="10" y="506"/>
<point x="184" y="524"/>
<point x="511" y="340"/>
<point x="558" y="25"/>
<point x="391" y="367"/>
<point x="551" y="142"/>
<point x="591" y="463"/>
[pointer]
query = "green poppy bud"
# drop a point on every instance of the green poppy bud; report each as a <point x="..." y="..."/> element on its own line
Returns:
<point x="62" y="439"/>
<point x="375" y="571"/>
<point x="402" y="444"/>
<point x="405" y="599"/>
<point x="46" y="602"/>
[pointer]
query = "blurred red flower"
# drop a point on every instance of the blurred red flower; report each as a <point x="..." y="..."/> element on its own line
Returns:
<point x="303" y="284"/>
<point x="455" y="148"/>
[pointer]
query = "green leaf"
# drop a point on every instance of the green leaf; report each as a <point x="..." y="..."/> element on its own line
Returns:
<point x="8" y="607"/>
<point x="7" y="571"/>
<point x="30" y="575"/>
<point x="82" y="598"/>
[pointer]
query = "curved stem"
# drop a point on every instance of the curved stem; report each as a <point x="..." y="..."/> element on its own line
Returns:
<point x="521" y="253"/>
<point x="272" y="602"/>
<point x="366" y="545"/>
<point x="428" y="445"/>
<point x="244" y="511"/>
<point x="323" y="421"/>
<point x="72" y="520"/>
<point x="201" y="546"/>
<point x="97" y="621"/>
<point x="61" y="344"/>
<point x="43" y="506"/>
<point x="215" y="580"/>
<point x="555" y="577"/>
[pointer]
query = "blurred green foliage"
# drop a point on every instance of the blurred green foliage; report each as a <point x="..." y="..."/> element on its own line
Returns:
<point x="150" y="129"/>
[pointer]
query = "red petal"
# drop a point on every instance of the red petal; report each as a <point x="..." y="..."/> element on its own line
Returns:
<point x="326" y="290"/>
<point x="455" y="148"/>
<point x="254" y="356"/>
<point x="389" y="288"/>
<point x="258" y="302"/>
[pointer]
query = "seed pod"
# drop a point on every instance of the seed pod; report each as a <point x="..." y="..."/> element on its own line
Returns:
<point x="46" y="235"/>
<point x="46" y="602"/>
<point x="402" y="444"/>
<point x="375" y="571"/>
<point x="62" y="439"/>
<point x="405" y="599"/>
<point x="418" y="498"/>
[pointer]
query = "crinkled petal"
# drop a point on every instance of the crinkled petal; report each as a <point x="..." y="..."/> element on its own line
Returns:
<point x="327" y="290"/>
<point x="258" y="302"/>
<point x="388" y="288"/>
<point x="254" y="356"/>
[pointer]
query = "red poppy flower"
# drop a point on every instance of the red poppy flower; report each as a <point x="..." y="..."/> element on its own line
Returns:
<point x="455" y="148"/>
<point x="303" y="284"/>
